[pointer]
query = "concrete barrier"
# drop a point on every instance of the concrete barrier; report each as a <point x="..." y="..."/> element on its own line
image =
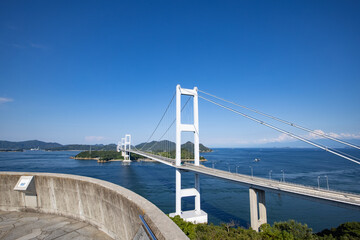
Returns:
<point x="113" y="209"/>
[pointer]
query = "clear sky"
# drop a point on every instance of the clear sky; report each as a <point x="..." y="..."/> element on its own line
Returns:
<point x="91" y="71"/>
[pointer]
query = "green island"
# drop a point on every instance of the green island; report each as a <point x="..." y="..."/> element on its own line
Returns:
<point x="11" y="150"/>
<point x="104" y="156"/>
<point x="289" y="230"/>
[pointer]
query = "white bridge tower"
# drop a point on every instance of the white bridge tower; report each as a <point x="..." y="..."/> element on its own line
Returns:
<point x="196" y="215"/>
<point x="125" y="146"/>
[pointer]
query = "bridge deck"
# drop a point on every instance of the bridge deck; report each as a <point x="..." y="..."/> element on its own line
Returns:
<point x="333" y="197"/>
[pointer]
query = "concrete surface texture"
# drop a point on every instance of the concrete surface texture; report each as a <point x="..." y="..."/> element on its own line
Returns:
<point x="112" y="209"/>
<point x="24" y="225"/>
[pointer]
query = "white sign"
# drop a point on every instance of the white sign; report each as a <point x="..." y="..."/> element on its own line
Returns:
<point x="24" y="183"/>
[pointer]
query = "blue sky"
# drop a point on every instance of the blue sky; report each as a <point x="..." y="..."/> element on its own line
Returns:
<point x="91" y="71"/>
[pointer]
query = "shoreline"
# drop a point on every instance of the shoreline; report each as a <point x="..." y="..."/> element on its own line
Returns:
<point x="11" y="151"/>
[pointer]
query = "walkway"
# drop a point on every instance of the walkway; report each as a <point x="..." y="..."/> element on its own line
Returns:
<point x="25" y="225"/>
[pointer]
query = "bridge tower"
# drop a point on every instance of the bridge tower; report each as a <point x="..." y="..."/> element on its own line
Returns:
<point x="197" y="215"/>
<point x="125" y="147"/>
<point x="118" y="147"/>
<point x="122" y="147"/>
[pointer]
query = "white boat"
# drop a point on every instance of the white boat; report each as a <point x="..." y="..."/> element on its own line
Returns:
<point x="35" y="149"/>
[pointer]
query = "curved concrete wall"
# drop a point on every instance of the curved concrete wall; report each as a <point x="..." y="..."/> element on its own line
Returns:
<point x="113" y="209"/>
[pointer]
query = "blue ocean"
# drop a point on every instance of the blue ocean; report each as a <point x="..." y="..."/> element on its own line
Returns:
<point x="224" y="201"/>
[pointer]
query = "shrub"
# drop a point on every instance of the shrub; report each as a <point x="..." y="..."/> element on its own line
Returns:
<point x="346" y="231"/>
<point x="290" y="230"/>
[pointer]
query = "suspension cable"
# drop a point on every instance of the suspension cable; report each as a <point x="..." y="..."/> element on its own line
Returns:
<point x="167" y="108"/>
<point x="283" y="131"/>
<point x="169" y="126"/>
<point x="285" y="122"/>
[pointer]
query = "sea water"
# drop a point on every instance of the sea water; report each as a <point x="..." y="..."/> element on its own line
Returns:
<point x="224" y="201"/>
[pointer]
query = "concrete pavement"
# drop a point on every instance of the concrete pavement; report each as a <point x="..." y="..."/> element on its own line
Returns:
<point x="28" y="225"/>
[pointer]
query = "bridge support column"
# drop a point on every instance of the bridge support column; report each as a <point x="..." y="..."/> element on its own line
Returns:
<point x="178" y="192"/>
<point x="196" y="215"/>
<point x="257" y="208"/>
<point x="197" y="197"/>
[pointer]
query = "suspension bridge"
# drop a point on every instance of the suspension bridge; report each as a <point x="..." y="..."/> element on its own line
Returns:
<point x="174" y="157"/>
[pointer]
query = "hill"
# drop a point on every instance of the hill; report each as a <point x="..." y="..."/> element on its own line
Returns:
<point x="52" y="146"/>
<point x="190" y="147"/>
<point x="159" y="146"/>
<point x="27" y="145"/>
<point x="80" y="147"/>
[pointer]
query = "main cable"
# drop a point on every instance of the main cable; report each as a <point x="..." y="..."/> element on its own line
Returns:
<point x="283" y="131"/>
<point x="152" y="134"/>
<point x="169" y="126"/>
<point x="284" y="121"/>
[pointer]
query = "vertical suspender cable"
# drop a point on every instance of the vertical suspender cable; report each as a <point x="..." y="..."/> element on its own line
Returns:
<point x="167" y="108"/>
<point x="169" y="127"/>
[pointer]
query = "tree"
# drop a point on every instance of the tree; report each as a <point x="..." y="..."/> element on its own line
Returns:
<point x="346" y="231"/>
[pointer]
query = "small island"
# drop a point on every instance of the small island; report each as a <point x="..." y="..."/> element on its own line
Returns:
<point x="103" y="156"/>
<point x="11" y="150"/>
<point x="107" y="156"/>
<point x="157" y="148"/>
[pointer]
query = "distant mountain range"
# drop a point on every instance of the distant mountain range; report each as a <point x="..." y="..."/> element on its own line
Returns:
<point x="155" y="146"/>
<point x="151" y="146"/>
<point x="27" y="145"/>
<point x="6" y="145"/>
<point x="97" y="147"/>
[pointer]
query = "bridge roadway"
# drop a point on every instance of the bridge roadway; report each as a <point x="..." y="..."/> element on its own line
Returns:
<point x="342" y="199"/>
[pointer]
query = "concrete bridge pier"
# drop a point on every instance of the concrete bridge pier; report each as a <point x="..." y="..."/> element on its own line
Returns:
<point x="257" y="208"/>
